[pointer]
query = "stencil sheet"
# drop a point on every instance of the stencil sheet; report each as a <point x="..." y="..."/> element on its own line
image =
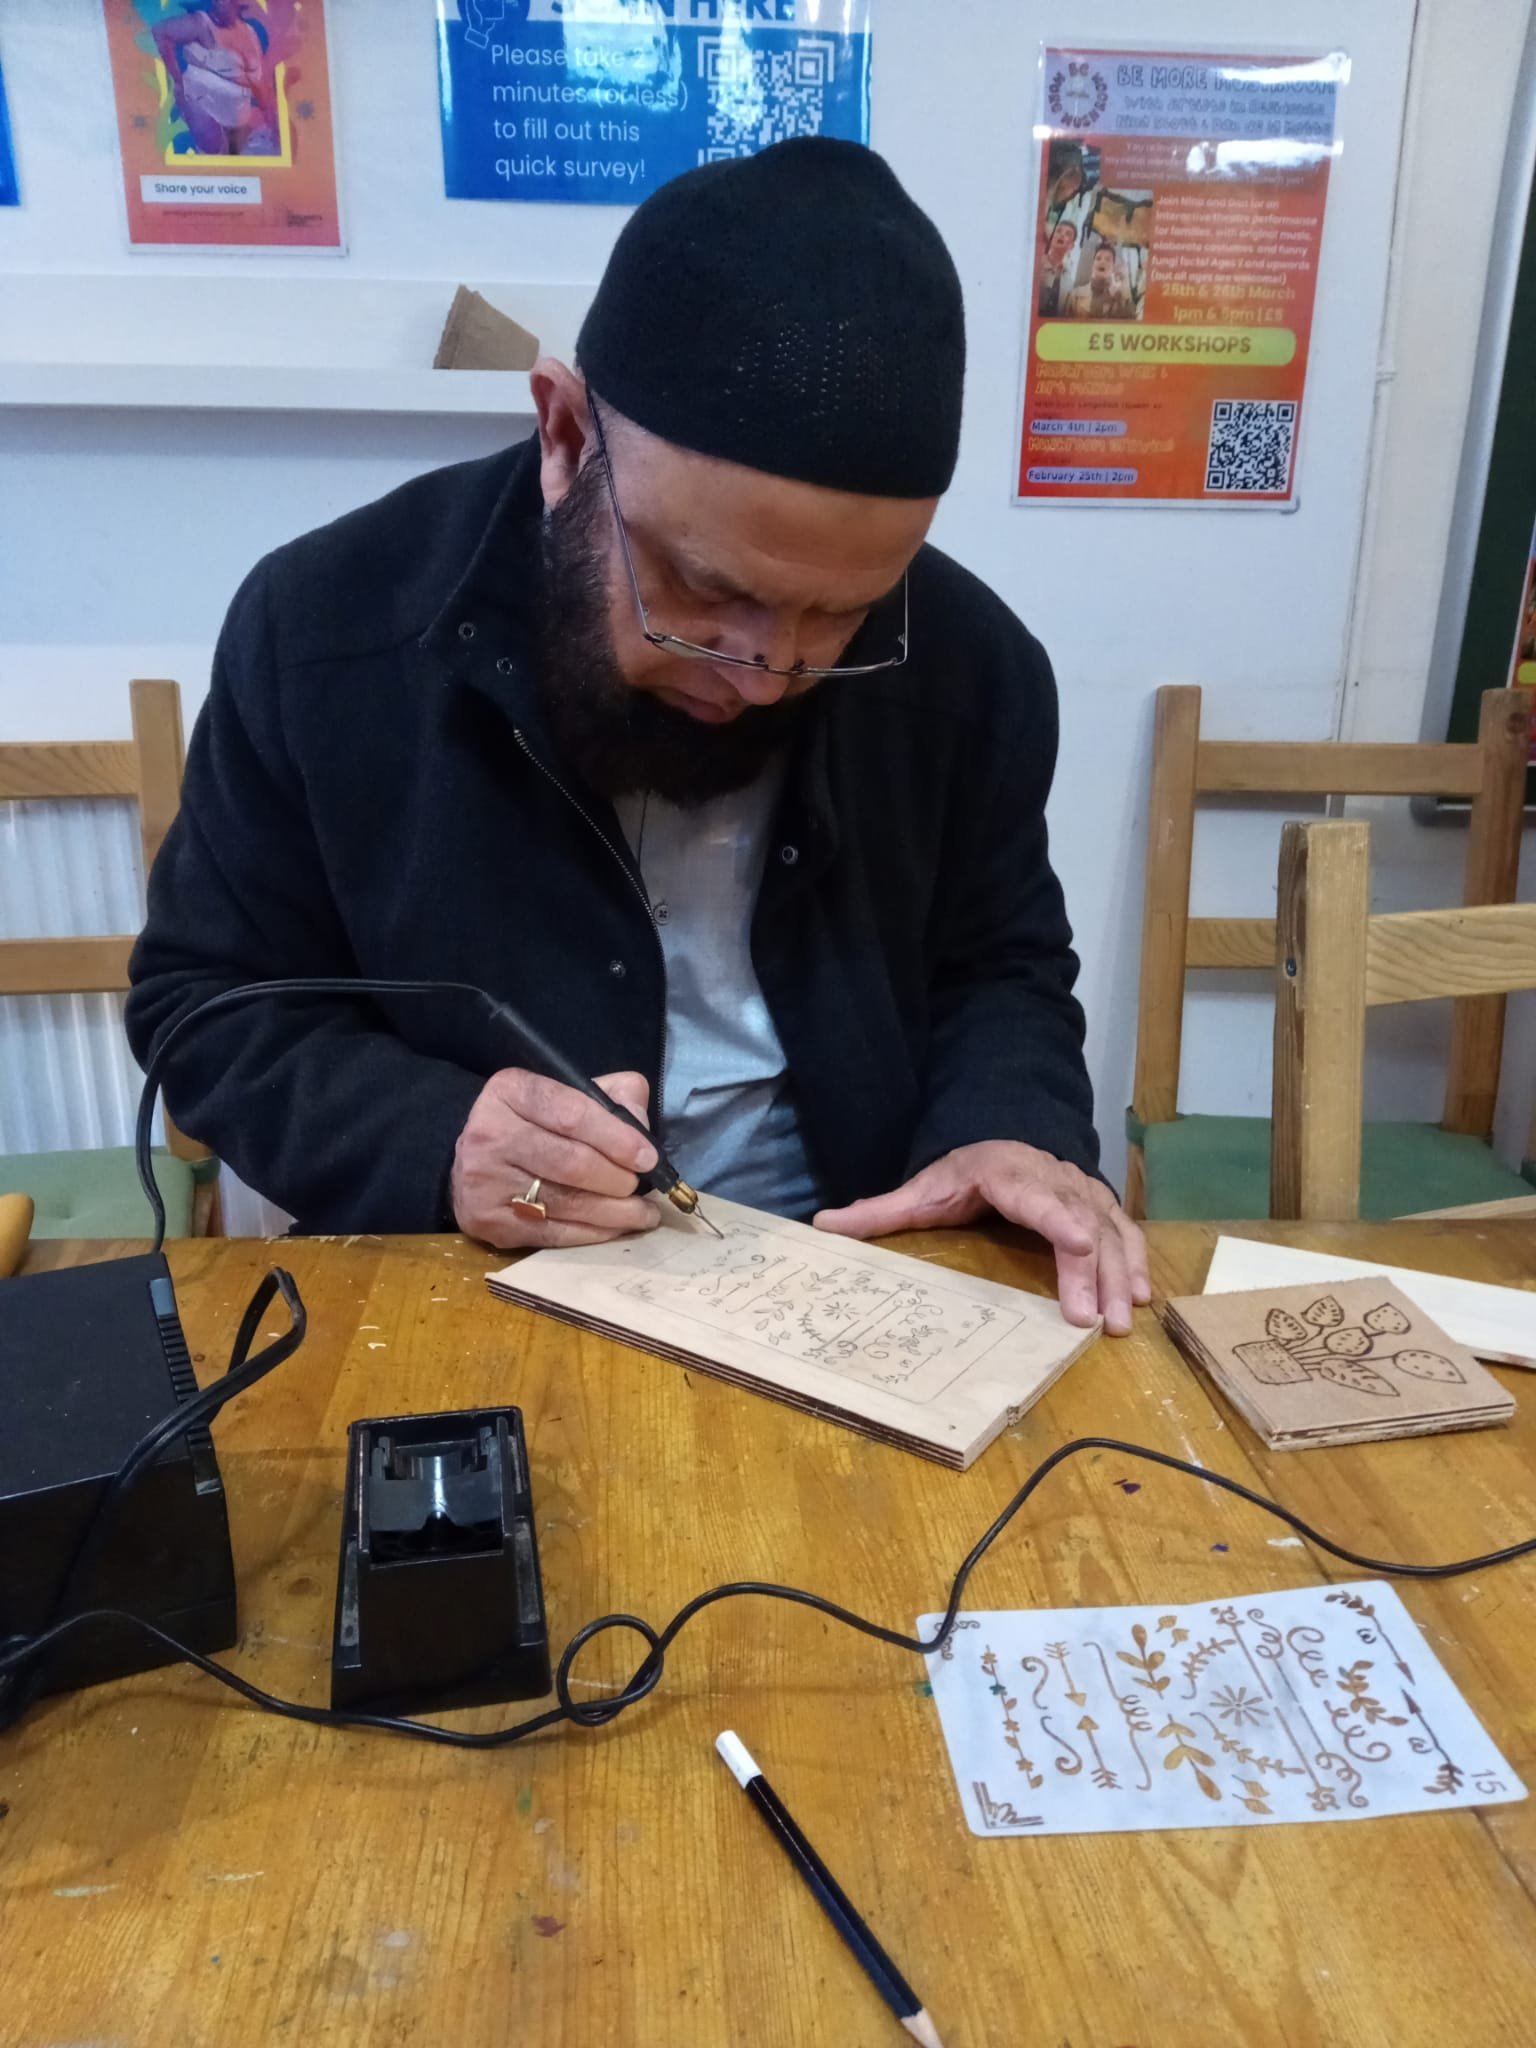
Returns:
<point x="1324" y="1703"/>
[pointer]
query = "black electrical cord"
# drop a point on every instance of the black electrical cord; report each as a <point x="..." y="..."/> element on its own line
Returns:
<point x="304" y="986"/>
<point x="20" y="1666"/>
<point x="533" y="1042"/>
<point x="598" y="1713"/>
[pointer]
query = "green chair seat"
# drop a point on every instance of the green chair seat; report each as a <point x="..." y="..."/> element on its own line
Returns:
<point x="97" y="1194"/>
<point x="1204" y="1167"/>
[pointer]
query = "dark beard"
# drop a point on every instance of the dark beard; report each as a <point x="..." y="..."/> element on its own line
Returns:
<point x="619" y="739"/>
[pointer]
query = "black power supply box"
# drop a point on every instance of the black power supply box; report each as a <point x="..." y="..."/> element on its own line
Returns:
<point x="91" y="1357"/>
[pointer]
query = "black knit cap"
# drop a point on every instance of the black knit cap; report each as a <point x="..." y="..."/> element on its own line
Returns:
<point x="791" y="311"/>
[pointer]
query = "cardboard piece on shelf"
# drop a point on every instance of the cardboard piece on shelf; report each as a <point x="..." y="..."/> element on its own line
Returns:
<point x="479" y="336"/>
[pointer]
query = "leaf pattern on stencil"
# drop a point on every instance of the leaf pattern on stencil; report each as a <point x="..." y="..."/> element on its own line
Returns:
<point x="1325" y="1314"/>
<point x="1350" y="1343"/>
<point x="1354" y="1681"/>
<point x="1010" y="1725"/>
<point x="1184" y="1751"/>
<point x="1229" y="1745"/>
<point x="1201" y="1655"/>
<point x="1146" y="1662"/>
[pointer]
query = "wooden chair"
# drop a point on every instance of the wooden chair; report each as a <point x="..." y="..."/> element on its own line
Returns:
<point x="97" y="1194"/>
<point x="1204" y="1166"/>
<point x="1333" y="962"/>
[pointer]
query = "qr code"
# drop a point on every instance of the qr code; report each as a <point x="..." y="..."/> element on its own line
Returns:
<point x="1250" y="445"/>
<point x="757" y="97"/>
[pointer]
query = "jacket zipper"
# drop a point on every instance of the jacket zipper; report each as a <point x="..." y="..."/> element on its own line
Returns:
<point x="637" y="883"/>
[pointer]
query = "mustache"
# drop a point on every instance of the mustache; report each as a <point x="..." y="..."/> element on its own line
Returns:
<point x="621" y="739"/>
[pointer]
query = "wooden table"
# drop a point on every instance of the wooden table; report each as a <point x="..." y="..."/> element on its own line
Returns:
<point x="178" y="1869"/>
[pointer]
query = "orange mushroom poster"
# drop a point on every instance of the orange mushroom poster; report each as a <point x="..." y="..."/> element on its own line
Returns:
<point x="1177" y="232"/>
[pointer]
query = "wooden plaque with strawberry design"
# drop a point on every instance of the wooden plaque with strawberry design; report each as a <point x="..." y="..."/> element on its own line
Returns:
<point x="1339" y="1364"/>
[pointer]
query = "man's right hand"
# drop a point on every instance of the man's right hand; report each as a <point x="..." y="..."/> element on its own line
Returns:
<point x="525" y="1128"/>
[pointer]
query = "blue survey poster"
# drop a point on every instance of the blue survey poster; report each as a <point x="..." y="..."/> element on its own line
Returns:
<point x="10" y="192"/>
<point x="597" y="102"/>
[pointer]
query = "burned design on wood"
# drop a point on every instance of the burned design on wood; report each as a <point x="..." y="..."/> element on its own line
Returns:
<point x="913" y="1336"/>
<point x="1320" y="1344"/>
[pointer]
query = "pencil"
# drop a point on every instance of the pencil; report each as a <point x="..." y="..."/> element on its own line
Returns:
<point x="829" y="1894"/>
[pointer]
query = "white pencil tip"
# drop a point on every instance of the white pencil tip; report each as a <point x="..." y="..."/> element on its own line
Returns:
<point x="921" y="2028"/>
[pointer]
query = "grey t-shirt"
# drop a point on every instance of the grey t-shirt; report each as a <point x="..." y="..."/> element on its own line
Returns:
<point x="729" y="1118"/>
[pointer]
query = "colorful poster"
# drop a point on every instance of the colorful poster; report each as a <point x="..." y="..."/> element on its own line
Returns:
<point x="1177" y="233"/>
<point x="224" y="119"/>
<point x="598" y="102"/>
<point x="10" y="191"/>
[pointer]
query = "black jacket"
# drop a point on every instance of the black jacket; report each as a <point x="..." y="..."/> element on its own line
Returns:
<point x="371" y="790"/>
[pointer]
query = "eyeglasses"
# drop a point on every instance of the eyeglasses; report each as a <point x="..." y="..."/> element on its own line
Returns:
<point x="690" y="649"/>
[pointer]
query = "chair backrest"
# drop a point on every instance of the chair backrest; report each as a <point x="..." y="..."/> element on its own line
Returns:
<point x="1489" y="772"/>
<point x="146" y="768"/>
<point x="1333" y="962"/>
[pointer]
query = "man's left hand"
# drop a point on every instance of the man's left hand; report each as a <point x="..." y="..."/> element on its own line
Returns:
<point x="1101" y="1256"/>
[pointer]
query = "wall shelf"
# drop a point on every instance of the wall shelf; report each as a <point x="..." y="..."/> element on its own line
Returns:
<point x="252" y="342"/>
<point x="235" y="387"/>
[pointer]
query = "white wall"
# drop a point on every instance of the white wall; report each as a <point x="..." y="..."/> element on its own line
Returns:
<point x="123" y="534"/>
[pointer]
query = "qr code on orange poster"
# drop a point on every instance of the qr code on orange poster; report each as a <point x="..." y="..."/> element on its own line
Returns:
<point x="1251" y="444"/>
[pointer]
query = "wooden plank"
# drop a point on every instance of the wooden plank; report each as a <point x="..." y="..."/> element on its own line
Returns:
<point x="1319" y="1064"/>
<point x="1165" y="908"/>
<point x="160" y="754"/>
<point x="1413" y="956"/>
<point x="1231" y="942"/>
<point x="45" y="768"/>
<point x="1335" y="768"/>
<point x="352" y="1887"/>
<point x="1492" y="876"/>
<point x="30" y="967"/>
<point x="1135" y="1181"/>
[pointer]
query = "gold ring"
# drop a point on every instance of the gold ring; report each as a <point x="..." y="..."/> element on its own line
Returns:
<point x="528" y="1206"/>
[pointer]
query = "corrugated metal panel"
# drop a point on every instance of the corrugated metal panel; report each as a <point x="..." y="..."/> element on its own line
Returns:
<point x="67" y="870"/>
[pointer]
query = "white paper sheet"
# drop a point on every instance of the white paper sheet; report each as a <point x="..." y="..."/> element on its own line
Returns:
<point x="1497" y="1324"/>
<point x="1324" y="1703"/>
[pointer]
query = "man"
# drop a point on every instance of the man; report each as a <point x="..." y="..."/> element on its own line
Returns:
<point x="1053" y="271"/>
<point x="1106" y="295"/>
<point x="668" y="729"/>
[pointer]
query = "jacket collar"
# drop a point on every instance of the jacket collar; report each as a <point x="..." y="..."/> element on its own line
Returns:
<point x="502" y="565"/>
